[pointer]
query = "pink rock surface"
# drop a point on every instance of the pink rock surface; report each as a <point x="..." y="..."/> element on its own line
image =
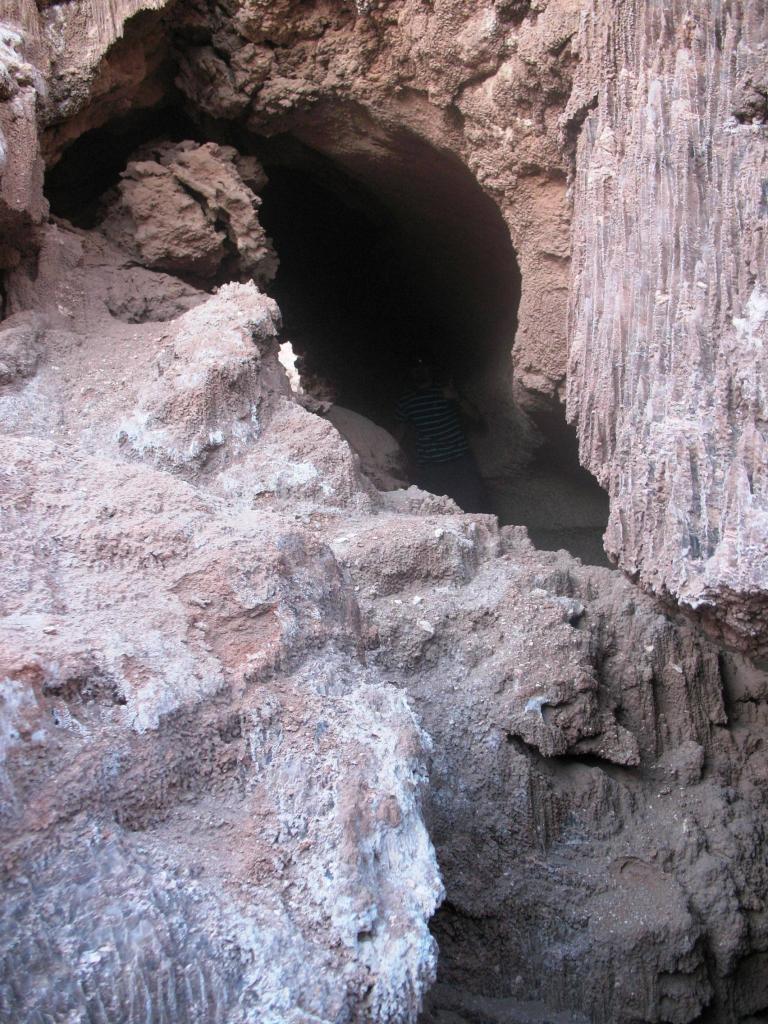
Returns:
<point x="194" y="754"/>
<point x="669" y="307"/>
<point x="22" y="88"/>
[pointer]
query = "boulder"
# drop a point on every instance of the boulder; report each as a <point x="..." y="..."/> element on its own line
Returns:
<point x="184" y="208"/>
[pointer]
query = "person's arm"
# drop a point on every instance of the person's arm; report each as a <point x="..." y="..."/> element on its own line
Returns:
<point x="469" y="410"/>
<point x="405" y="435"/>
<point x="400" y="431"/>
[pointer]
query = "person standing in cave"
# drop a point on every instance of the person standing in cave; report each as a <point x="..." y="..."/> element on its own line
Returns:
<point x="432" y="412"/>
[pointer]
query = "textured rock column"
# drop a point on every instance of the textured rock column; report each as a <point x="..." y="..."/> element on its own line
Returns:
<point x="22" y="64"/>
<point x="668" y="367"/>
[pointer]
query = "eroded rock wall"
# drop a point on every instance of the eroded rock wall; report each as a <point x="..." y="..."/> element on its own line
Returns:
<point x="214" y="627"/>
<point x="213" y="631"/>
<point x="669" y="305"/>
<point x="578" y="797"/>
<point x="22" y="90"/>
<point x="195" y="821"/>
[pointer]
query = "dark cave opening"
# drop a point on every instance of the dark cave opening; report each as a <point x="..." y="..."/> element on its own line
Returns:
<point x="371" y="278"/>
<point x="350" y="307"/>
<point x="559" y="501"/>
<point x="388" y="248"/>
<point x="91" y="166"/>
<point x="406" y="254"/>
<point x="374" y="272"/>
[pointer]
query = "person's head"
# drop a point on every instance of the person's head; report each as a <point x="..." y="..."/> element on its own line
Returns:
<point x="422" y="372"/>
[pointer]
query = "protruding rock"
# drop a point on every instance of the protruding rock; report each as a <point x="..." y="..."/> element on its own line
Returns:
<point x="20" y="347"/>
<point x="381" y="457"/>
<point x="185" y="209"/>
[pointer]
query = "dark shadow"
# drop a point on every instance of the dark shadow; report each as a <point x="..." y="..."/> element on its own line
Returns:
<point x="93" y="163"/>
<point x="559" y="501"/>
<point x="423" y="261"/>
<point x="368" y="277"/>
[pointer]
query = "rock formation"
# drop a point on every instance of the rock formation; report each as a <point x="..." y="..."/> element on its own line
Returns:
<point x="184" y="678"/>
<point x="669" y="314"/>
<point x="266" y="720"/>
<point x="171" y="203"/>
<point x="381" y="457"/>
<point x="22" y="204"/>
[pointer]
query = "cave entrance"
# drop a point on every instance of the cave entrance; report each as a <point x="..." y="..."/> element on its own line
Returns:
<point x="389" y="249"/>
<point x="390" y="253"/>
<point x="371" y="272"/>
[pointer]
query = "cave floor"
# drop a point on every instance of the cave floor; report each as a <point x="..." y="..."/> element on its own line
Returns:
<point x="446" y="1004"/>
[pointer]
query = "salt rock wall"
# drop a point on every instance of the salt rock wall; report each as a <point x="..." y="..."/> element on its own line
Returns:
<point x="668" y="358"/>
<point x="182" y="838"/>
<point x="593" y="790"/>
<point x="22" y="204"/>
<point x="210" y="807"/>
<point x="214" y="789"/>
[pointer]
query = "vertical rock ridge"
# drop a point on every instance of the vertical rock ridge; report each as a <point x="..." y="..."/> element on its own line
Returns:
<point x="669" y="306"/>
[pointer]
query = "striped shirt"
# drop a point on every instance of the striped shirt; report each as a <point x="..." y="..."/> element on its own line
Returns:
<point x="439" y="437"/>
